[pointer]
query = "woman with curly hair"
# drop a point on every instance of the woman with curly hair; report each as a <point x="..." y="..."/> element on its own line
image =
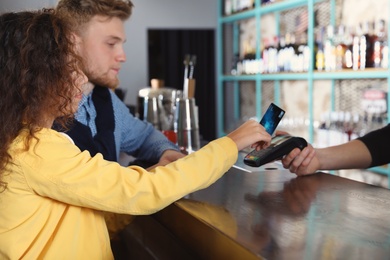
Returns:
<point x="53" y="195"/>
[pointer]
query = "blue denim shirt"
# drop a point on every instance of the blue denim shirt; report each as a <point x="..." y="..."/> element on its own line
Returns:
<point x="132" y="136"/>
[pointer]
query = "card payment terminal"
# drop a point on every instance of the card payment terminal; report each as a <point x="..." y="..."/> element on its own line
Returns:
<point x="280" y="146"/>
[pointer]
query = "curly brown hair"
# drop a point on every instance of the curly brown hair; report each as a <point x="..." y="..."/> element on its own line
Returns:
<point x="82" y="11"/>
<point x="38" y="62"/>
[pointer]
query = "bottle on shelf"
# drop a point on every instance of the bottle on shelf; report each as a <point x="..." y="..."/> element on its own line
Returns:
<point x="288" y="53"/>
<point x="228" y="7"/>
<point x="264" y="2"/>
<point x="306" y="53"/>
<point x="235" y="62"/>
<point x="319" y="53"/>
<point x="320" y="58"/>
<point x="341" y="48"/>
<point x="380" y="47"/>
<point x="367" y="39"/>
<point x="234" y="6"/>
<point x="356" y="49"/>
<point x="281" y="51"/>
<point x="265" y="55"/>
<point x="245" y="66"/>
<point x="330" y="49"/>
<point x="377" y="48"/>
<point x="245" y="5"/>
<point x="302" y="54"/>
<point x="272" y="65"/>
<point x="385" y="48"/>
<point x="363" y="47"/>
<point x="348" y="41"/>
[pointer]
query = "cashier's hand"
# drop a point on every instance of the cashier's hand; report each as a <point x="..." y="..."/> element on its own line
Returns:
<point x="302" y="162"/>
<point x="167" y="157"/>
<point x="250" y="133"/>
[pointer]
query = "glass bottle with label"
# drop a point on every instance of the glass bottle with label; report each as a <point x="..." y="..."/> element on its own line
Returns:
<point x="330" y="49"/>
<point x="319" y="54"/>
<point x="341" y="48"/>
<point x="356" y="49"/>
<point x="367" y="40"/>
<point x="348" y="40"/>
<point x="379" y="44"/>
<point x="228" y="7"/>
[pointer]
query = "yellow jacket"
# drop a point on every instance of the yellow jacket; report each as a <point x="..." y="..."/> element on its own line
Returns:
<point x="52" y="206"/>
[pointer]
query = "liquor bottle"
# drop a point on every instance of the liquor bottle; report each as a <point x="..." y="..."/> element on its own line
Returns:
<point x="319" y="54"/>
<point x="366" y="46"/>
<point x="248" y="61"/>
<point x="320" y="58"/>
<point x="330" y="49"/>
<point x="234" y="6"/>
<point x="273" y="55"/>
<point x="385" y="56"/>
<point x="245" y="5"/>
<point x="356" y="49"/>
<point x="281" y="51"/>
<point x="304" y="51"/>
<point x="295" y="55"/>
<point x="228" y="7"/>
<point x="379" y="43"/>
<point x="264" y="2"/>
<point x="238" y="6"/>
<point x="385" y="49"/>
<point x="265" y="55"/>
<point x="372" y="38"/>
<point x="348" y="40"/>
<point x="235" y="61"/>
<point x="292" y="51"/>
<point x="341" y="48"/>
<point x="288" y="53"/>
<point x="293" y="43"/>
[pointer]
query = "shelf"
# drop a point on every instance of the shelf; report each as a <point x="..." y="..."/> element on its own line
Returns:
<point x="230" y="25"/>
<point x="265" y="9"/>
<point x="276" y="76"/>
<point x="238" y="16"/>
<point x="369" y="73"/>
<point x="344" y="74"/>
<point x="282" y="6"/>
<point x="239" y="77"/>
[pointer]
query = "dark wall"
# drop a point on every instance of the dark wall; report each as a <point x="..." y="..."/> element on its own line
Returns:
<point x="166" y="52"/>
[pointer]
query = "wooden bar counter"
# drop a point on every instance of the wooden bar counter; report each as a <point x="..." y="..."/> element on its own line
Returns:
<point x="272" y="214"/>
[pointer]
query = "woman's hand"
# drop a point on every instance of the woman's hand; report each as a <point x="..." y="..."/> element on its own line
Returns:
<point x="250" y="133"/>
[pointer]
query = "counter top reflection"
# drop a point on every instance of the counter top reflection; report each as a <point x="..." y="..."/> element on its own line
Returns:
<point x="273" y="214"/>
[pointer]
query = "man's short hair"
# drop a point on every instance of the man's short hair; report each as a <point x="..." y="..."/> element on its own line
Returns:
<point x="82" y="11"/>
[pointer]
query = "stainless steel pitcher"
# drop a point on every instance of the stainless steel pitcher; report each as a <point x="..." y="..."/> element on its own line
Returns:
<point x="186" y="125"/>
<point x="153" y="111"/>
<point x="161" y="114"/>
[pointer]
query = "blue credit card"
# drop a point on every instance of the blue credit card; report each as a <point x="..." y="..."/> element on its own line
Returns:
<point x="271" y="118"/>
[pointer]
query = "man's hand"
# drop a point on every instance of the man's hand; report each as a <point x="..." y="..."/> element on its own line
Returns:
<point x="170" y="156"/>
<point x="167" y="157"/>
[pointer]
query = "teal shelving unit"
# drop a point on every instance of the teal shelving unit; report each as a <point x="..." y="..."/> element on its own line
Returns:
<point x="256" y="13"/>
